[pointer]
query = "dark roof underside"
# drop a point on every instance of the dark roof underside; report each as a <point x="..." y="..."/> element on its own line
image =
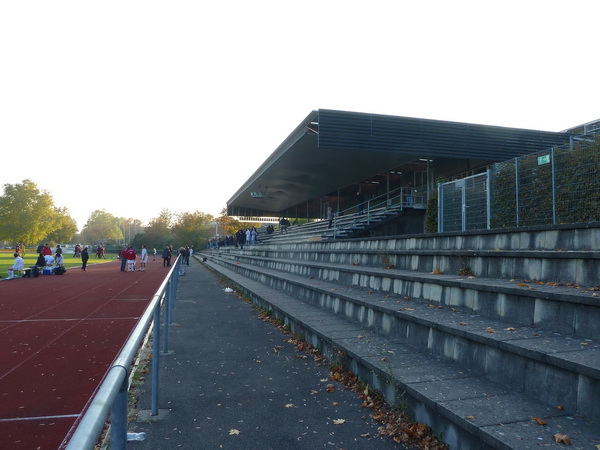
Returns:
<point x="330" y="150"/>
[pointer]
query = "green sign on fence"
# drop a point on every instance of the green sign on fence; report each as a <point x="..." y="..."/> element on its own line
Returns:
<point x="543" y="159"/>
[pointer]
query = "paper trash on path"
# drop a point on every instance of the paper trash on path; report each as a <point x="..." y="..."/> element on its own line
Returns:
<point x="228" y="290"/>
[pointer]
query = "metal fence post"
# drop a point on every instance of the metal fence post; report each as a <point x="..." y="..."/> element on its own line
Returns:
<point x="463" y="217"/>
<point x="517" y="189"/>
<point x="488" y="187"/>
<point x="440" y="208"/>
<point x="552" y="155"/>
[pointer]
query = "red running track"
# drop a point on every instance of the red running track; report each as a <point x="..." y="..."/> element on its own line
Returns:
<point x="59" y="335"/>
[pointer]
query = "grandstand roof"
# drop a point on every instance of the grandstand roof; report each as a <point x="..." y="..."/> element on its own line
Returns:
<point x="331" y="149"/>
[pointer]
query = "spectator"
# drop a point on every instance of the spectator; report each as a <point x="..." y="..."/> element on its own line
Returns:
<point x="41" y="261"/>
<point x="18" y="264"/>
<point x="154" y="254"/>
<point x="123" y="257"/>
<point x="84" y="257"/>
<point x="241" y="238"/>
<point x="46" y="250"/>
<point x="166" y="256"/>
<point x="39" y="264"/>
<point x="330" y="216"/>
<point x="283" y="225"/>
<point x="58" y="250"/>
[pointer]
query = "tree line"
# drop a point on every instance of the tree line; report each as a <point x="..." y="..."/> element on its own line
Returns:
<point x="29" y="216"/>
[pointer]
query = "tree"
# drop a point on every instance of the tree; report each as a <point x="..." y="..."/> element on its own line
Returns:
<point x="193" y="228"/>
<point x="100" y="227"/>
<point x="129" y="228"/>
<point x="67" y="227"/>
<point x="226" y="224"/>
<point x="158" y="232"/>
<point x="27" y="214"/>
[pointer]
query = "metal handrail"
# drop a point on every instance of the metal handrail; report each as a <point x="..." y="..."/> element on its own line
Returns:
<point x="111" y="396"/>
<point x="408" y="196"/>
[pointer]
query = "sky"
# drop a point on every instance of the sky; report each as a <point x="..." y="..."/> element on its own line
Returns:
<point x="135" y="107"/>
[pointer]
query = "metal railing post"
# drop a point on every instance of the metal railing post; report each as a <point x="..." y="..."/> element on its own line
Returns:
<point x="118" y="417"/>
<point x="167" y="316"/>
<point x="155" y="361"/>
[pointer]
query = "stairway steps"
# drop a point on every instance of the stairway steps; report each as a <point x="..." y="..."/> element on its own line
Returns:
<point x="468" y="410"/>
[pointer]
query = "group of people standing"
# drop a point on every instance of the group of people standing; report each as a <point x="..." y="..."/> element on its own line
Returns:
<point x="128" y="257"/>
<point x="248" y="236"/>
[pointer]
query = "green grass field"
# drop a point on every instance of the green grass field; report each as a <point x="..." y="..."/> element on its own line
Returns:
<point x="7" y="259"/>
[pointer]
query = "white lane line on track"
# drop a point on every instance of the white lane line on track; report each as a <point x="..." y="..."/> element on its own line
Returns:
<point x="69" y="320"/>
<point x="17" y="419"/>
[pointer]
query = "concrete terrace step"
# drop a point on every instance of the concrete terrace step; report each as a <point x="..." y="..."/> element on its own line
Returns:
<point x="580" y="267"/>
<point x="458" y="335"/>
<point x="466" y="409"/>
<point x="567" y="310"/>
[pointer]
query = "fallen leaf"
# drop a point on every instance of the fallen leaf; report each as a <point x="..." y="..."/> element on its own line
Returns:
<point x="540" y="421"/>
<point x="289" y="405"/>
<point x="330" y="388"/>
<point x="521" y="284"/>
<point x="233" y="431"/>
<point x="490" y="330"/>
<point x="561" y="439"/>
<point x="470" y="417"/>
<point x="510" y="329"/>
<point x="339" y="421"/>
<point x="463" y="324"/>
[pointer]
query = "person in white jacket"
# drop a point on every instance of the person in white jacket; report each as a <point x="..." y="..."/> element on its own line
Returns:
<point x="19" y="264"/>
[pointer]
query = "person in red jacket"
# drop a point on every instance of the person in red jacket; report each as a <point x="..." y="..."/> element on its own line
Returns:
<point x="46" y="250"/>
<point x="130" y="255"/>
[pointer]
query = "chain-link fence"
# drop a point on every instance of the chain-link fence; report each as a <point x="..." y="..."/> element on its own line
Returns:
<point x="464" y="204"/>
<point x="561" y="185"/>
